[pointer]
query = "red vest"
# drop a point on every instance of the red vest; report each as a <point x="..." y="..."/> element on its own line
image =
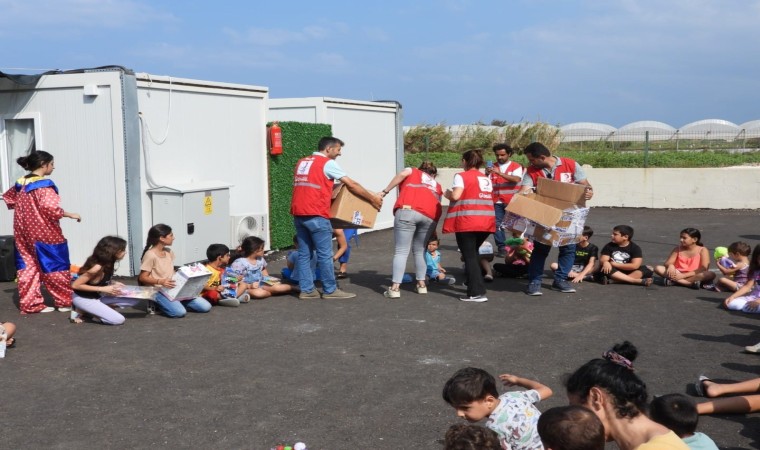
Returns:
<point x="474" y="209"/>
<point x="312" y="190"/>
<point x="564" y="173"/>
<point x="418" y="193"/>
<point x="503" y="190"/>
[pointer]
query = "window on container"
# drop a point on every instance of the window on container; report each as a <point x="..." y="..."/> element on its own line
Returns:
<point x="18" y="139"/>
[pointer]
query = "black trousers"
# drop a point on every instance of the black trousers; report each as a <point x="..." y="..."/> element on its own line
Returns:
<point x="469" y="242"/>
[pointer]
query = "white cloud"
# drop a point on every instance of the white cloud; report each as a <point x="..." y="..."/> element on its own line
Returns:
<point x="275" y="37"/>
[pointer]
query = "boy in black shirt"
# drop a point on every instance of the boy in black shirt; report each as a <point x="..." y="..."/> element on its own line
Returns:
<point x="622" y="260"/>
<point x="586" y="257"/>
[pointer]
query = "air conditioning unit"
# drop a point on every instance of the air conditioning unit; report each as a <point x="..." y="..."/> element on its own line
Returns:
<point x="255" y="224"/>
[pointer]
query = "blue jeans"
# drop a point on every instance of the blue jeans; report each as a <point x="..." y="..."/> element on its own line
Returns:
<point x="177" y="309"/>
<point x="314" y="233"/>
<point x="538" y="259"/>
<point x="411" y="230"/>
<point x="498" y="236"/>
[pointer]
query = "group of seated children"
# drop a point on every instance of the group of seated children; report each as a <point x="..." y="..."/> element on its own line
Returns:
<point x="235" y="278"/>
<point x="514" y="422"/>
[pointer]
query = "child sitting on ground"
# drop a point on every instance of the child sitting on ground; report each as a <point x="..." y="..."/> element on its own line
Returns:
<point x="622" y="260"/>
<point x="470" y="437"/>
<point x="435" y="271"/>
<point x="289" y="271"/>
<point x="586" y="256"/>
<point x="250" y="262"/>
<point x="225" y="287"/>
<point x="688" y="264"/>
<point x="518" y="251"/>
<point x="472" y="392"/>
<point x="734" y="267"/>
<point x="747" y="298"/>
<point x="679" y="413"/>
<point x="571" y="428"/>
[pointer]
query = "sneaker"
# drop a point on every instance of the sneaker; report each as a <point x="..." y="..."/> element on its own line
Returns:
<point x="150" y="308"/>
<point x="245" y="298"/>
<point x="420" y="289"/>
<point x="65" y="309"/>
<point x="229" y="302"/>
<point x="563" y="286"/>
<point x="340" y="294"/>
<point x="390" y="293"/>
<point x="449" y="280"/>
<point x="534" y="288"/>
<point x="309" y="295"/>
<point x="696" y="285"/>
<point x="48" y="309"/>
<point x="711" y="287"/>
<point x="753" y="348"/>
<point x="488" y="277"/>
<point x="476" y="299"/>
<point x="667" y="282"/>
<point x="604" y="279"/>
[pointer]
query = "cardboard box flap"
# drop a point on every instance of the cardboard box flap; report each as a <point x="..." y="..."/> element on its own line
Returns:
<point x="569" y="192"/>
<point x="534" y="210"/>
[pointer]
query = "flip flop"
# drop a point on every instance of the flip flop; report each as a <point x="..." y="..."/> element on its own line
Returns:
<point x="698" y="385"/>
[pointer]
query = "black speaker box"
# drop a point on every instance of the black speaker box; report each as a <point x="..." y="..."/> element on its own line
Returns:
<point x="7" y="259"/>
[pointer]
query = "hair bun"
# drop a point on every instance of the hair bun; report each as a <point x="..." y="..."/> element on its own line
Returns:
<point x="626" y="350"/>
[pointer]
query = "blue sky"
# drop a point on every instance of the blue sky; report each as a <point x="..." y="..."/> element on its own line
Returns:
<point x="452" y="61"/>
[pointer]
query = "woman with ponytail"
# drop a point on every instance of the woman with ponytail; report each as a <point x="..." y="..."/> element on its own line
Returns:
<point x="42" y="251"/>
<point x="611" y="389"/>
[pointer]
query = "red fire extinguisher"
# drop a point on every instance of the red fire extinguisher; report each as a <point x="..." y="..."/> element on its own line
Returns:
<point x="275" y="139"/>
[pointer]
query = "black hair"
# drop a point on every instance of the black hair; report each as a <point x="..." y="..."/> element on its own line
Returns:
<point x="694" y="234"/>
<point x="470" y="437"/>
<point x="155" y="234"/>
<point x="506" y="147"/>
<point x="754" y="264"/>
<point x="740" y="248"/>
<point x="536" y="149"/>
<point x="215" y="251"/>
<point x="329" y="141"/>
<point x="429" y="168"/>
<point x="571" y="428"/>
<point x="104" y="255"/>
<point x="677" y="412"/>
<point x="248" y="246"/>
<point x="468" y="385"/>
<point x="473" y="159"/>
<point x="628" y="391"/>
<point x="624" y="230"/>
<point x="34" y="160"/>
<point x="587" y="231"/>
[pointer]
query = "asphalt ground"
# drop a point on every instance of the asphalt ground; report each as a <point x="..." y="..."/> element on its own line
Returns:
<point x="368" y="372"/>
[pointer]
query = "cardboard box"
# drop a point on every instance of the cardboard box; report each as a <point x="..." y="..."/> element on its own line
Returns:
<point x="350" y="211"/>
<point x="189" y="280"/>
<point x="554" y="215"/>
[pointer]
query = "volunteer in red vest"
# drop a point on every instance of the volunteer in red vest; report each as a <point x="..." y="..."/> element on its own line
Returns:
<point x="505" y="177"/>
<point x="471" y="217"/>
<point x="415" y="213"/>
<point x="543" y="165"/>
<point x="315" y="176"/>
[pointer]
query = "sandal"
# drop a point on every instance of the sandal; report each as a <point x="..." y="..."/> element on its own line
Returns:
<point x="698" y="386"/>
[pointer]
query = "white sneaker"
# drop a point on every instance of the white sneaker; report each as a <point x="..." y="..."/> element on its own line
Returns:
<point x="65" y="309"/>
<point x="48" y="309"/>
<point x="476" y="299"/>
<point x="390" y="293"/>
<point x="752" y="348"/>
<point x="420" y="289"/>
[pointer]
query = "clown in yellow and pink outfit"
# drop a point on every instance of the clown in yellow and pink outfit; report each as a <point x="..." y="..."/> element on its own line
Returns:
<point x="42" y="253"/>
